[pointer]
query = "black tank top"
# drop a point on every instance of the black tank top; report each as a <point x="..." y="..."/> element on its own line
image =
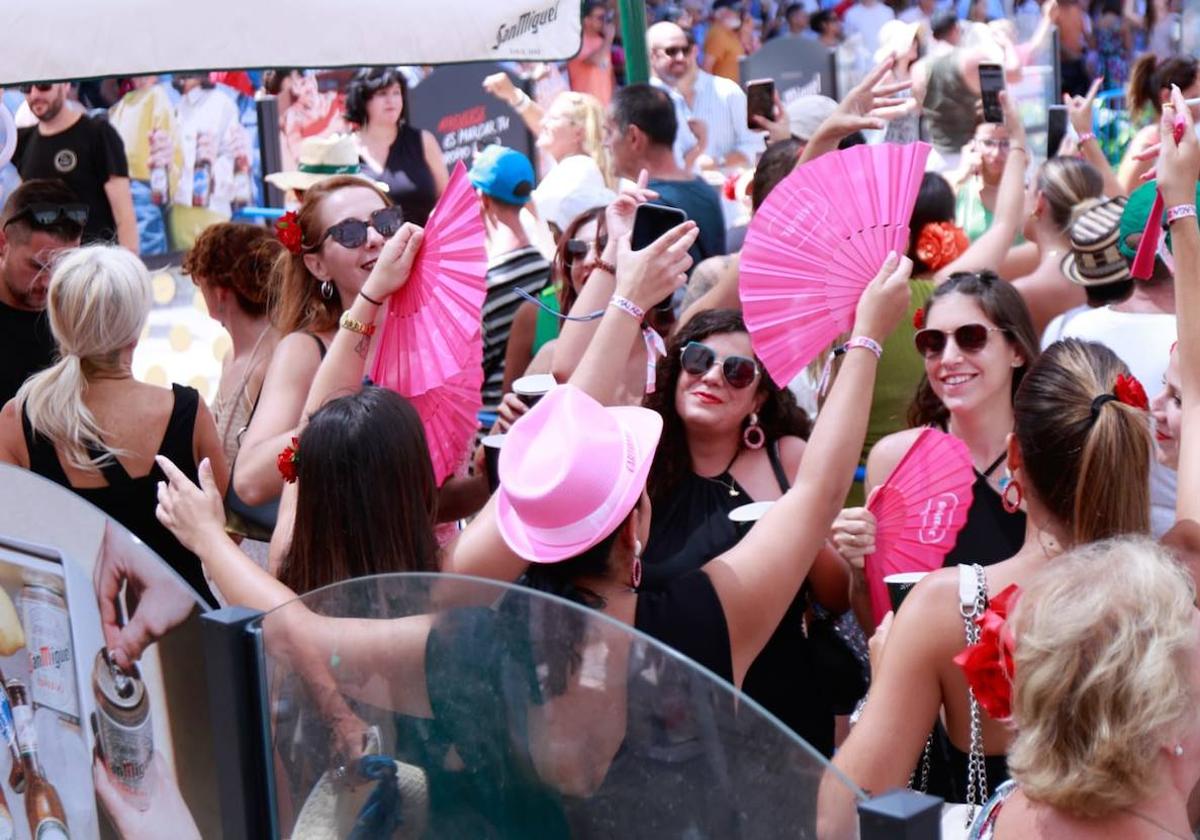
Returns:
<point x="691" y="527"/>
<point x="131" y="501"/>
<point x="991" y="533"/>
<point x="407" y="175"/>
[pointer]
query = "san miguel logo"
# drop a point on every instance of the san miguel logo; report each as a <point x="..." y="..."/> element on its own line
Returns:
<point x="48" y="657"/>
<point x="528" y="23"/>
<point x="936" y="518"/>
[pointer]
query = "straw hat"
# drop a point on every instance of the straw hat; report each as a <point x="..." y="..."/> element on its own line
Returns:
<point x="322" y="158"/>
<point x="1095" y="258"/>
<point x="896" y="36"/>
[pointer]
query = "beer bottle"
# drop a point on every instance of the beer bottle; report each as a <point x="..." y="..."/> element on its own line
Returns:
<point x="8" y="829"/>
<point x="8" y="731"/>
<point x="47" y="820"/>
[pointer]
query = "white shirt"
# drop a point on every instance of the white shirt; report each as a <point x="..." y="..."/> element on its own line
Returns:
<point x="868" y="20"/>
<point x="1143" y="342"/>
<point x="721" y="105"/>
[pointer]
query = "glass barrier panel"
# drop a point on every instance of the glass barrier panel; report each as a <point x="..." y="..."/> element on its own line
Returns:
<point x="441" y="706"/>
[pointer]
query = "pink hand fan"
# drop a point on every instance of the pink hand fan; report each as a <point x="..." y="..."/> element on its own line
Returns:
<point x="1143" y="260"/>
<point x="449" y="413"/>
<point x="433" y="322"/>
<point x="919" y="511"/>
<point x="817" y="241"/>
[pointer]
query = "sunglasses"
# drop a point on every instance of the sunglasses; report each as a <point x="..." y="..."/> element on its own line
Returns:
<point x="41" y="88"/>
<point x="575" y="249"/>
<point x="674" y="52"/>
<point x="698" y="359"/>
<point x="46" y="215"/>
<point x="352" y="233"/>
<point x="1002" y="145"/>
<point x="970" y="338"/>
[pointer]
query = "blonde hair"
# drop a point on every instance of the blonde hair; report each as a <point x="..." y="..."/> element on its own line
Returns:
<point x="587" y="113"/>
<point x="1104" y="651"/>
<point x="98" y="302"/>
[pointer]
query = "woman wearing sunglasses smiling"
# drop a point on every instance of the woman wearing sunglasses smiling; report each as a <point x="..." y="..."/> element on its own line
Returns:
<point x="342" y="224"/>
<point x="730" y="437"/>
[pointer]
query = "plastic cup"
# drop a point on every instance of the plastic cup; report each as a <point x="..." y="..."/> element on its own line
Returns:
<point x="530" y="389"/>
<point x="899" y="585"/>
<point x="491" y="453"/>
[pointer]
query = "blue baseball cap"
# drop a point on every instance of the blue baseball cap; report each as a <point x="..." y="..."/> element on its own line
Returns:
<point x="503" y="173"/>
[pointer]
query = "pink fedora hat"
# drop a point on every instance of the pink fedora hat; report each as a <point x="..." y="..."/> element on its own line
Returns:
<point x="570" y="471"/>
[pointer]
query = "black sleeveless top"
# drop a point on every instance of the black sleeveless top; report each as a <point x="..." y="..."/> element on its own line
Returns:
<point x="991" y="533"/>
<point x="691" y="527"/>
<point x="407" y="175"/>
<point x="131" y="501"/>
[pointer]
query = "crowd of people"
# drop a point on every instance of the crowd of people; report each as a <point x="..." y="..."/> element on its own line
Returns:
<point x="1046" y="677"/>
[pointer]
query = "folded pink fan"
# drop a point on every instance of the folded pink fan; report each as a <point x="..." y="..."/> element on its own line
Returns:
<point x="919" y="511"/>
<point x="432" y="324"/>
<point x="1143" y="260"/>
<point x="816" y="242"/>
<point x="449" y="413"/>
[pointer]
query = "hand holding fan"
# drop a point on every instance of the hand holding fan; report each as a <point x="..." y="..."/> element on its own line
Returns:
<point x="449" y="414"/>
<point x="432" y="323"/>
<point x="919" y="511"/>
<point x="815" y="244"/>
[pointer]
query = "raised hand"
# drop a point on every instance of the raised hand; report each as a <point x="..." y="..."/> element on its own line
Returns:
<point x="853" y="535"/>
<point x="885" y="300"/>
<point x="619" y="215"/>
<point x="1179" y="161"/>
<point x="193" y="514"/>
<point x="395" y="262"/>
<point x="652" y="274"/>
<point x="871" y="104"/>
<point x="1079" y="108"/>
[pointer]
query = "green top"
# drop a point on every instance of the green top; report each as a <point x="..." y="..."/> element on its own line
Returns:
<point x="547" y="326"/>
<point x="900" y="370"/>
<point x="971" y="215"/>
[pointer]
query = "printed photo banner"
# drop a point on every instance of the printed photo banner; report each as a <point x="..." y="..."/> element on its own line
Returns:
<point x="136" y="37"/>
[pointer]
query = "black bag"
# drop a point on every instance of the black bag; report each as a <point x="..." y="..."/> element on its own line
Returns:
<point x="842" y="673"/>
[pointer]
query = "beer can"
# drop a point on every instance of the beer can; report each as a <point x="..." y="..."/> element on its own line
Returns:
<point x="123" y="728"/>
<point x="51" y="658"/>
<point x="201" y="184"/>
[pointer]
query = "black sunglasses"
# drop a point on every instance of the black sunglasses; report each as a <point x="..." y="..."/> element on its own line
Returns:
<point x="575" y="249"/>
<point x="352" y="233"/>
<point x="970" y="338"/>
<point x="698" y="359"/>
<point x="42" y="88"/>
<point x="46" y="215"/>
<point x="674" y="52"/>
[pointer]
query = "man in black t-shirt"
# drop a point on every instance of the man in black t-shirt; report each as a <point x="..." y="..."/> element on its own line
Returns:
<point x="87" y="155"/>
<point x="40" y="219"/>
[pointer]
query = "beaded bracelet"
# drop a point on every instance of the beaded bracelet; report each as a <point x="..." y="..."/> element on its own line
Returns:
<point x="605" y="266"/>
<point x="1181" y="211"/>
<point x="369" y="299"/>
<point x="1083" y="138"/>
<point x="628" y="307"/>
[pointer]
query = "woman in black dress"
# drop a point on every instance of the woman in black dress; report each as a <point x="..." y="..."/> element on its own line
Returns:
<point x="405" y="158"/>
<point x="731" y="437"/>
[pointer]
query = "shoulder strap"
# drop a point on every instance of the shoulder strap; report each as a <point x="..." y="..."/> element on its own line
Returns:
<point x="181" y="428"/>
<point x="777" y="466"/>
<point x="972" y="596"/>
<point x="43" y="458"/>
<point x="992" y="468"/>
<point x="320" y="344"/>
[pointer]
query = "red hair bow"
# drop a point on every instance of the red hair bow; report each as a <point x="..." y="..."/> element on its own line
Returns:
<point x="1129" y="391"/>
<point x="287" y="231"/>
<point x="988" y="664"/>
<point x="919" y="319"/>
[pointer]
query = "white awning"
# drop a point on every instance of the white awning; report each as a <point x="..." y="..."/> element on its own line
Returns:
<point x="53" y="40"/>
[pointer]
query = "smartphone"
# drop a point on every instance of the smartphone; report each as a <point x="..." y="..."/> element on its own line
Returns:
<point x="760" y="102"/>
<point x="649" y="223"/>
<point x="653" y="220"/>
<point x="1056" y="129"/>
<point x="991" y="82"/>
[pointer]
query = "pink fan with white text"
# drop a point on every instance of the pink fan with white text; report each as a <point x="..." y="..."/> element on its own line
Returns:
<point x="449" y="413"/>
<point x="432" y="323"/>
<point x="815" y="244"/>
<point x="919" y="511"/>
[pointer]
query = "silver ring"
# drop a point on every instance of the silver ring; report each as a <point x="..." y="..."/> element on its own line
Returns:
<point x="339" y="772"/>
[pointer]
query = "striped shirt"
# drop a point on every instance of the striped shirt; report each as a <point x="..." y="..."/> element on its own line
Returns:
<point x="523" y="268"/>
<point x="721" y="105"/>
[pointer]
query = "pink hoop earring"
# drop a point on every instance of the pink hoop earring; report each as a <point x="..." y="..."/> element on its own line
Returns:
<point x="1011" y="506"/>
<point x="635" y="576"/>
<point x="753" y="437"/>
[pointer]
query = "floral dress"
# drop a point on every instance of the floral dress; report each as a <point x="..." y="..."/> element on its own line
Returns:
<point x="1110" y="50"/>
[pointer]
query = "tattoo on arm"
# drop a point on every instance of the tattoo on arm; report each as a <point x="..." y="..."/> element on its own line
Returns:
<point x="363" y="346"/>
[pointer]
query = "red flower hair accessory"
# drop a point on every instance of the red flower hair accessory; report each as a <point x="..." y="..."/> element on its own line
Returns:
<point x="287" y="231"/>
<point x="288" y="461"/>
<point x="919" y="319"/>
<point x="1131" y="392"/>
<point x="941" y="243"/>
<point x="729" y="189"/>
<point x="988" y="664"/>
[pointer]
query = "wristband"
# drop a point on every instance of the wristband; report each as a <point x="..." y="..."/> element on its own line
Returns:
<point x="523" y="101"/>
<point x="1083" y="138"/>
<point x="605" y="266"/>
<point x="356" y="326"/>
<point x="859" y="341"/>
<point x="370" y="299"/>
<point x="1181" y="211"/>
<point x="628" y="307"/>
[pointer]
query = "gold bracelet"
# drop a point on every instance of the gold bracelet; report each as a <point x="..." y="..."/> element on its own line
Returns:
<point x="354" y="325"/>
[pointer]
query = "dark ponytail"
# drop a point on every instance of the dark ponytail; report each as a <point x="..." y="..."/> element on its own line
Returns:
<point x="1148" y="79"/>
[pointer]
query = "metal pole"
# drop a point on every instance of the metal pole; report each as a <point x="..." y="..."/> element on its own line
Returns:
<point x="633" y="39"/>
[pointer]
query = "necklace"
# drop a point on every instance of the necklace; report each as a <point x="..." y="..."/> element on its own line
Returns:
<point x="1156" y="824"/>
<point x="733" y="491"/>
